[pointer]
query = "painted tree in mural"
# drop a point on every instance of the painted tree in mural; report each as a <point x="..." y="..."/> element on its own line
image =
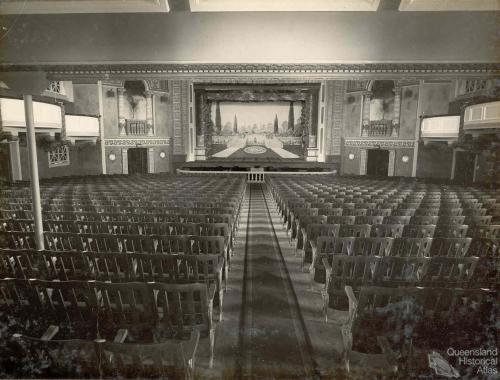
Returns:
<point x="276" y="124"/>
<point x="291" y="118"/>
<point x="235" y="125"/>
<point x="218" y="123"/>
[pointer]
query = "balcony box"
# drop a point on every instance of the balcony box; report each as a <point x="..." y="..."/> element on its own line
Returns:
<point x="482" y="118"/>
<point x="80" y="127"/>
<point x="440" y="128"/>
<point x="47" y="117"/>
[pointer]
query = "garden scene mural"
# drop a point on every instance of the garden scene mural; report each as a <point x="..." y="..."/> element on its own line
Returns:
<point x="273" y="122"/>
<point x="266" y="129"/>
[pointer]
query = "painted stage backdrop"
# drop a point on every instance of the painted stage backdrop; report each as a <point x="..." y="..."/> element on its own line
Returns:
<point x="272" y="130"/>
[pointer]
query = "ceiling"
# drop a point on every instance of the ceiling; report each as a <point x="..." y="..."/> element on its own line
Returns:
<point x="82" y="6"/>
<point x="449" y="5"/>
<point x="282" y="5"/>
<point x="162" y="6"/>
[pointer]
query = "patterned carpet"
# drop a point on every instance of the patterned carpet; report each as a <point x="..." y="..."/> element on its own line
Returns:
<point x="272" y="340"/>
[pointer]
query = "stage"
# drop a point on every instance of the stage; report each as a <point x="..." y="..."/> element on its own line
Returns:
<point x="267" y="163"/>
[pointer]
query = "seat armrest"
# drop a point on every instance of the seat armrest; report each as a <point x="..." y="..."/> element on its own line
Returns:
<point x="328" y="267"/>
<point x="211" y="293"/>
<point x="51" y="331"/>
<point x="121" y="335"/>
<point x="190" y="347"/>
<point x="353" y="303"/>
<point x="313" y="244"/>
<point x="314" y="248"/>
<point x="220" y="266"/>
<point x="390" y="355"/>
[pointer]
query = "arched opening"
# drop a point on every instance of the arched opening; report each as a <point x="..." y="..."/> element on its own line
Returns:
<point x="135" y="107"/>
<point x="380" y="117"/>
<point x="382" y="102"/>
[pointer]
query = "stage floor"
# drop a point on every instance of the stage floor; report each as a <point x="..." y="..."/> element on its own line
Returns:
<point x="269" y="164"/>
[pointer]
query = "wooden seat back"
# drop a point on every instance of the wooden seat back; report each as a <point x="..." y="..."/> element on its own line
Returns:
<point x="387" y="230"/>
<point x="64" y="265"/>
<point x="450" y="247"/>
<point x="354" y="230"/>
<point x="341" y="219"/>
<point x="372" y="246"/>
<point x="488" y="231"/>
<point x="419" y="231"/>
<point x="173" y="244"/>
<point x="393" y="271"/>
<point x="18" y="263"/>
<point x="450" y="271"/>
<point x="423" y="220"/>
<point x="182" y="307"/>
<point x="451" y="230"/>
<point x="124" y="305"/>
<point x="99" y="242"/>
<point x="411" y="247"/>
<point x="17" y="240"/>
<point x="393" y="219"/>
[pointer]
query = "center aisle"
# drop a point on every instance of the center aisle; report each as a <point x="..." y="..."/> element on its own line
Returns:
<point x="271" y="342"/>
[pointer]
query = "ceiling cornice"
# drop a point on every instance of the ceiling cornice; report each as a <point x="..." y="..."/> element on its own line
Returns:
<point x="265" y="70"/>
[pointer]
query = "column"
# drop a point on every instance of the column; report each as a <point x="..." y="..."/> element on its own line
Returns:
<point x="15" y="158"/>
<point x="151" y="160"/>
<point x="312" y="149"/>
<point x="201" y="129"/>
<point x="63" y="121"/>
<point x="392" y="163"/>
<point x="32" y="156"/>
<point x="124" y="161"/>
<point x="397" y="111"/>
<point x="362" y="161"/>
<point x="365" y="122"/>
<point x="121" y="109"/>
<point x="101" y="127"/>
<point x="149" y="112"/>
<point x="192" y="125"/>
<point x="417" y="129"/>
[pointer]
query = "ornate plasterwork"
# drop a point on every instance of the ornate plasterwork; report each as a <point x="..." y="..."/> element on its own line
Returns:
<point x="370" y="143"/>
<point x="135" y="142"/>
<point x="158" y="85"/>
<point x="256" y="96"/>
<point x="405" y="70"/>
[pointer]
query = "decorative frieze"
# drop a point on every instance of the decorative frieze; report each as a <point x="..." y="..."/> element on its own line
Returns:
<point x="338" y="116"/>
<point x="392" y="163"/>
<point x="177" y="116"/>
<point x="149" y="113"/>
<point x="363" y="159"/>
<point x="367" y="97"/>
<point x="135" y="142"/>
<point x="397" y="111"/>
<point x="370" y="143"/>
<point x="121" y="110"/>
<point x="407" y="69"/>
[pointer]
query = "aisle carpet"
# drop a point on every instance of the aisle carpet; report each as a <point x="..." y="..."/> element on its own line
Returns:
<point x="272" y="340"/>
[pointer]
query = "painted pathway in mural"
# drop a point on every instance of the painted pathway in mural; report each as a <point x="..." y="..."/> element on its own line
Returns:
<point x="255" y="140"/>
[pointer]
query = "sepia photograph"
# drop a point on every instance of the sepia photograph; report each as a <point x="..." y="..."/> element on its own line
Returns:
<point x="250" y="189"/>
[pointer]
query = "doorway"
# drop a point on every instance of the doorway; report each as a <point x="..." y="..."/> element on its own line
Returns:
<point x="464" y="166"/>
<point x="137" y="160"/>
<point x="378" y="162"/>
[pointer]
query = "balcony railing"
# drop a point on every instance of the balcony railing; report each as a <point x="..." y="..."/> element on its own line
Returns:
<point x="482" y="118"/>
<point x="378" y="128"/>
<point x="79" y="127"/>
<point x="440" y="128"/>
<point x="136" y="127"/>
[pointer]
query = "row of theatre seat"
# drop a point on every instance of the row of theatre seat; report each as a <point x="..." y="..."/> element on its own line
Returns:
<point x="132" y="271"/>
<point x="401" y="260"/>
